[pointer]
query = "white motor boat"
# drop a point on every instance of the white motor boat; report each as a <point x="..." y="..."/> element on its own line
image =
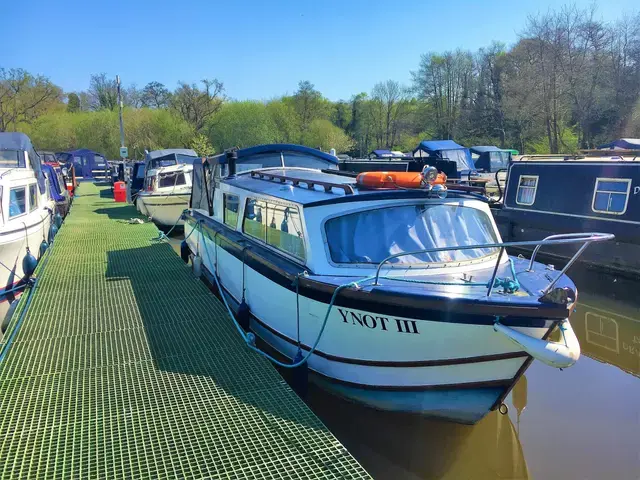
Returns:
<point x="25" y="215"/>
<point x="167" y="186"/>
<point x="401" y="297"/>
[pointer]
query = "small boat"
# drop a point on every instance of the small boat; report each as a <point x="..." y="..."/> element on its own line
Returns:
<point x="167" y="186"/>
<point x="87" y="164"/>
<point x="25" y="215"/>
<point x="383" y="160"/>
<point x="57" y="189"/>
<point x="136" y="180"/>
<point x="447" y="156"/>
<point x="547" y="195"/>
<point x="402" y="299"/>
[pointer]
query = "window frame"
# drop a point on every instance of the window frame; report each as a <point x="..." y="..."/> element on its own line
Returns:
<point x="427" y="265"/>
<point x="265" y="243"/>
<point x="535" y="189"/>
<point x="24" y="189"/>
<point x="224" y="209"/>
<point x="615" y="180"/>
<point x="33" y="205"/>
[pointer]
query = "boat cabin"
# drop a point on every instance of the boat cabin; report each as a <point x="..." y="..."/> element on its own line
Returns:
<point x="447" y="156"/>
<point x="86" y="163"/>
<point x="136" y="181"/>
<point x="167" y="157"/>
<point x="490" y="159"/>
<point x="285" y="199"/>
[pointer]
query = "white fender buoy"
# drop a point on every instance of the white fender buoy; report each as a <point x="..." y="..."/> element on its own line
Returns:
<point x="555" y="354"/>
<point x="196" y="261"/>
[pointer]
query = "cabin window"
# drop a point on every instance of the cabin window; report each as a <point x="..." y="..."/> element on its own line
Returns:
<point x="231" y="207"/>
<point x="33" y="198"/>
<point x="611" y="195"/>
<point x="172" y="179"/>
<point x="17" y="202"/>
<point x="276" y="225"/>
<point x="527" y="186"/>
<point x="370" y="236"/>
<point x="9" y="159"/>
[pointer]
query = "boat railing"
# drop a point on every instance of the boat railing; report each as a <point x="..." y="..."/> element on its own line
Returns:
<point x="585" y="239"/>
<point x="295" y="181"/>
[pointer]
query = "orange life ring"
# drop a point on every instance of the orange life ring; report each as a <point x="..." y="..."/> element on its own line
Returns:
<point x="395" y="179"/>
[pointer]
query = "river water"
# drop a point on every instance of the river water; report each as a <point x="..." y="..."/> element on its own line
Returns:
<point x="579" y="423"/>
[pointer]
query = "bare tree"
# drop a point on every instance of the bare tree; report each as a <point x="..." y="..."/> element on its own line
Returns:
<point x="155" y="95"/>
<point x="196" y="105"/>
<point x="23" y="97"/>
<point x="103" y="92"/>
<point x="389" y="108"/>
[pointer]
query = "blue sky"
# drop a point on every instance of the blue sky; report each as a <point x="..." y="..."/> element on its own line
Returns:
<point x="259" y="49"/>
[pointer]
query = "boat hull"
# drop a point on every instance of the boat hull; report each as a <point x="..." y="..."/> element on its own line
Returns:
<point x="456" y="368"/>
<point x="164" y="210"/>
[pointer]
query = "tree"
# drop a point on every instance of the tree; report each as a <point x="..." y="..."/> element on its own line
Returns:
<point x="24" y="97"/>
<point x="155" y="95"/>
<point x="325" y="135"/>
<point x="103" y="92"/>
<point x="309" y="105"/>
<point x="445" y="81"/>
<point x="285" y="120"/>
<point x="389" y="109"/>
<point x="241" y="124"/>
<point x="73" y="103"/>
<point x="201" y="144"/>
<point x="196" y="106"/>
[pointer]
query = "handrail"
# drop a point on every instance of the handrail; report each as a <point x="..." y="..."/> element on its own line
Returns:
<point x="347" y="188"/>
<point x="585" y="238"/>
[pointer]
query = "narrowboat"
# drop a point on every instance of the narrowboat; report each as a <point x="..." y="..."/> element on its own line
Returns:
<point x="557" y="195"/>
<point x="167" y="186"/>
<point x="25" y="215"/>
<point x="402" y="299"/>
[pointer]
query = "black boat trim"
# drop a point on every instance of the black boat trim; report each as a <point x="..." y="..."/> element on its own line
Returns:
<point x="283" y="271"/>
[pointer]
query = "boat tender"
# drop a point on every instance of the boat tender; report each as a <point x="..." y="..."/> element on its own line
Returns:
<point x="403" y="299"/>
<point x="167" y="186"/>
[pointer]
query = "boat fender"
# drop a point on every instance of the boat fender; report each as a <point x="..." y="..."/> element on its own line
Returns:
<point x="300" y="375"/>
<point x="43" y="247"/>
<point x="243" y="314"/>
<point x="53" y="230"/>
<point x="185" y="251"/>
<point x="555" y="354"/>
<point x="57" y="220"/>
<point x="29" y="264"/>
<point x="197" y="266"/>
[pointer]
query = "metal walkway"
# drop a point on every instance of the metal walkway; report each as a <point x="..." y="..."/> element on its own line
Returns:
<point x="126" y="366"/>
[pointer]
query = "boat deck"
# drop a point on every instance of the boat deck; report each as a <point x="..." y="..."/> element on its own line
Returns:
<point x="126" y="366"/>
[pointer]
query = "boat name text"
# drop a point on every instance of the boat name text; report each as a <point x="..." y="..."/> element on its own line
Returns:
<point x="386" y="324"/>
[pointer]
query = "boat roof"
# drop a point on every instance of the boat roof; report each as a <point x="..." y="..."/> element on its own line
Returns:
<point x="277" y="148"/>
<point x="15" y="141"/>
<point x="169" y="152"/>
<point x="388" y="154"/>
<point x="438" y="145"/>
<point x="285" y="190"/>
<point x="487" y="148"/>
<point x="622" y="143"/>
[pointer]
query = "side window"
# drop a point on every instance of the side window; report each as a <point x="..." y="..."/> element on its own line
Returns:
<point x="33" y="198"/>
<point x="527" y="186"/>
<point x="277" y="225"/>
<point x="231" y="206"/>
<point x="17" y="202"/>
<point x="611" y="195"/>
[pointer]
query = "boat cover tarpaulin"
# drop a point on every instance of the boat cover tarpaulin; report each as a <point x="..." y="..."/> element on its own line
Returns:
<point x="54" y="188"/>
<point x="447" y="149"/>
<point x="178" y="155"/>
<point x="20" y="142"/>
<point x="622" y="144"/>
<point x="200" y="186"/>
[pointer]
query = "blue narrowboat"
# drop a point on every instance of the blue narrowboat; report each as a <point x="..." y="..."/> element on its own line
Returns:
<point x="86" y="163"/>
<point x="555" y="195"/>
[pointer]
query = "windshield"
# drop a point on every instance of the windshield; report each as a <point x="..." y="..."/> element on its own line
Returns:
<point x="498" y="160"/>
<point x="163" y="162"/>
<point x="460" y="156"/>
<point x="371" y="236"/>
<point x="171" y="179"/>
<point x="9" y="159"/>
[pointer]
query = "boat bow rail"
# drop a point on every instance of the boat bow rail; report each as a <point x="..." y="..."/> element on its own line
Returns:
<point x="584" y="238"/>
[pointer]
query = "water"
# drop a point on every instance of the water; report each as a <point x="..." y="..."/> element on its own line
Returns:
<point x="579" y="423"/>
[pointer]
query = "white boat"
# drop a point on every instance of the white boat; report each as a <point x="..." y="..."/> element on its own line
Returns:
<point x="25" y="214"/>
<point x="429" y="315"/>
<point x="167" y="186"/>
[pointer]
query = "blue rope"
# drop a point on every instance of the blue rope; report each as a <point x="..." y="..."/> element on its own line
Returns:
<point x="165" y="236"/>
<point x="509" y="285"/>
<point x="250" y="338"/>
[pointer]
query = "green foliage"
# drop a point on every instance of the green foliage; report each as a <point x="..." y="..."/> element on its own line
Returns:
<point x="241" y="124"/>
<point x="325" y="135"/>
<point x="201" y="144"/>
<point x="73" y="103"/>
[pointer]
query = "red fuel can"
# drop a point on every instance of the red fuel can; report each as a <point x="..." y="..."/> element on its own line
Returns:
<point x="120" y="192"/>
